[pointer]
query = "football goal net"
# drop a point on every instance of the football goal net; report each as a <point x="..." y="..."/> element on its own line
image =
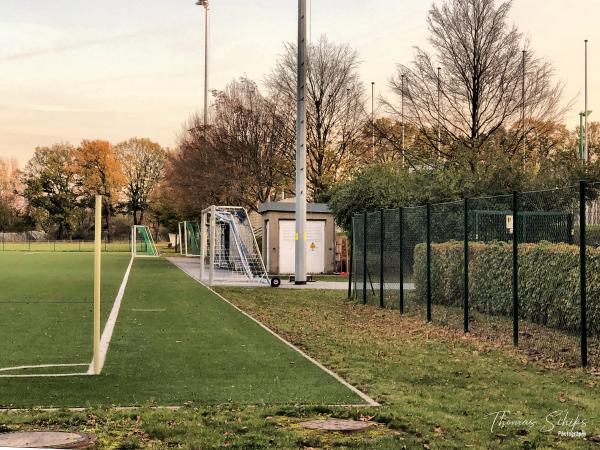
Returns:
<point x="142" y="242"/>
<point x="229" y="251"/>
<point x="189" y="239"/>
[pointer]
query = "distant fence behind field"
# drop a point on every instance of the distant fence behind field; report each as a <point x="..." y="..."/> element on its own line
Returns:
<point x="19" y="242"/>
<point x="522" y="268"/>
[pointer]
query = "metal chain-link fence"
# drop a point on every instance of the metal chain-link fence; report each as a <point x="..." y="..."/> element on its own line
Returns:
<point x="518" y="268"/>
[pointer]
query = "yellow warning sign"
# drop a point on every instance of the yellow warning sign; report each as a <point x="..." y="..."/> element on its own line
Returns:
<point x="313" y="246"/>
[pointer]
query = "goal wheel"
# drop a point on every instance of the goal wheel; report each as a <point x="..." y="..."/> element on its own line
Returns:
<point x="275" y="282"/>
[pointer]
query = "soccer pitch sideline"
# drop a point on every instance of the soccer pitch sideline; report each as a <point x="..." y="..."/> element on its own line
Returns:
<point x="174" y="341"/>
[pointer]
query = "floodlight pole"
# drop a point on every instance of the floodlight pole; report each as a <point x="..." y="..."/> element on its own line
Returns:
<point x="586" y="149"/>
<point x="300" y="263"/>
<point x="402" y="113"/>
<point x="373" y="116"/>
<point x="523" y="106"/>
<point x="204" y="3"/>
<point x="439" y="118"/>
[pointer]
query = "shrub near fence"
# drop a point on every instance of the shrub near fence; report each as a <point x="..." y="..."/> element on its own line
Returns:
<point x="548" y="275"/>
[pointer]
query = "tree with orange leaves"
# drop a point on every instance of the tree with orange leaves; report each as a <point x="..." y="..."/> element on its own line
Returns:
<point x="99" y="172"/>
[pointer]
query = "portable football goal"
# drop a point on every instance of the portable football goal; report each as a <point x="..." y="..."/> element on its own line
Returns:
<point x="188" y="239"/>
<point x="142" y="243"/>
<point x="229" y="252"/>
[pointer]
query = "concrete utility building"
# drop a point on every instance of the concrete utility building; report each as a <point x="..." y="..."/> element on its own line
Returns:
<point x="279" y="237"/>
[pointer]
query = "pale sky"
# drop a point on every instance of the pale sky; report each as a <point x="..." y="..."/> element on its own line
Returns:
<point x="114" y="69"/>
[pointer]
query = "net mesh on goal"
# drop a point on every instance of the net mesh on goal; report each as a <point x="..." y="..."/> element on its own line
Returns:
<point x="234" y="256"/>
<point x="143" y="242"/>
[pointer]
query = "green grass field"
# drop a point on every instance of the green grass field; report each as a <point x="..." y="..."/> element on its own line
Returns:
<point x="175" y="342"/>
<point x="437" y="389"/>
<point x="46" y="305"/>
<point x="63" y="246"/>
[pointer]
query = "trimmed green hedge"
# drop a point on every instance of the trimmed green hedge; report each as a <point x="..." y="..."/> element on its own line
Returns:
<point x="548" y="281"/>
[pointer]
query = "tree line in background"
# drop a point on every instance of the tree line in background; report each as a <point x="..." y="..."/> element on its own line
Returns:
<point x="477" y="112"/>
<point x="56" y="190"/>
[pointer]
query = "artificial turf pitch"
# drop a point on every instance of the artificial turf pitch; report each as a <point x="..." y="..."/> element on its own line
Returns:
<point x="175" y="341"/>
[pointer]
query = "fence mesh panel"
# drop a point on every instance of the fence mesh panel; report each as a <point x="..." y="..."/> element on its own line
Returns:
<point x="490" y="268"/>
<point x="373" y="257"/>
<point x="592" y="260"/>
<point x="415" y="230"/>
<point x="549" y="306"/>
<point x="543" y="315"/>
<point x="447" y="263"/>
<point x="392" y="262"/>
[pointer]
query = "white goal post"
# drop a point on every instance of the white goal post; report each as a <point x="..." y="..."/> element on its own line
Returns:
<point x="142" y="243"/>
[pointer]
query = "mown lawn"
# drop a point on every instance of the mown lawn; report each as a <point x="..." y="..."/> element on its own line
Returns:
<point x="438" y="388"/>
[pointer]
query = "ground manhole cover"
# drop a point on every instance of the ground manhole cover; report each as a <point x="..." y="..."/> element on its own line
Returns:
<point x="44" y="439"/>
<point x="346" y="426"/>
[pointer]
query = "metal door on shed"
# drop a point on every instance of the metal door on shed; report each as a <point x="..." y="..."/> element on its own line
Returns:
<point x="315" y="246"/>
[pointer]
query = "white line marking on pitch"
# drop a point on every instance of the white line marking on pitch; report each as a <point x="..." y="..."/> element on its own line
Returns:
<point x="365" y="397"/>
<point x="104" y="343"/>
<point x="41" y="375"/>
<point x="109" y="328"/>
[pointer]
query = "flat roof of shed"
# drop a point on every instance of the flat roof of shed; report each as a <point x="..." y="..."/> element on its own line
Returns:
<point x="313" y="208"/>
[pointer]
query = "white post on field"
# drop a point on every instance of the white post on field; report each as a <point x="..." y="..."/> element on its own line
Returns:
<point x="97" y="282"/>
<point x="300" y="277"/>
<point x="213" y="247"/>
<point x="185" y="237"/>
<point x="202" y="244"/>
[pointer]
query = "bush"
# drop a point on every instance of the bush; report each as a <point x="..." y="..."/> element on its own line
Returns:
<point x="548" y="281"/>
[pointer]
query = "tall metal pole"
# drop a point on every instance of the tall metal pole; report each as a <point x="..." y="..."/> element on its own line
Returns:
<point x="373" y="115"/>
<point x="402" y="113"/>
<point x="439" y="118"/>
<point x="204" y="3"/>
<point x="301" y="149"/>
<point x="205" y="65"/>
<point x="523" y="106"/>
<point x="587" y="150"/>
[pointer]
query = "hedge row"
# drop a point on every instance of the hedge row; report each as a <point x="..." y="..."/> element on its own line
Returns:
<point x="548" y="281"/>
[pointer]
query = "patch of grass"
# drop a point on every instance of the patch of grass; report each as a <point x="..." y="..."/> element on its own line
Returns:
<point x="433" y="381"/>
<point x="437" y="387"/>
<point x="176" y="342"/>
<point x="46" y="306"/>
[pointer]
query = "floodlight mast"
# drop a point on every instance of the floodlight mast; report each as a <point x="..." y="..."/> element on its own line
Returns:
<point x="204" y="3"/>
<point x="585" y="109"/>
<point x="300" y="262"/>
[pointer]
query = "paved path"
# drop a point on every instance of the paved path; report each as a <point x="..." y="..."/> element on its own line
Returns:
<point x="191" y="266"/>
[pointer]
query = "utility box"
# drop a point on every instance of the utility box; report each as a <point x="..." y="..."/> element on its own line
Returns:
<point x="279" y="237"/>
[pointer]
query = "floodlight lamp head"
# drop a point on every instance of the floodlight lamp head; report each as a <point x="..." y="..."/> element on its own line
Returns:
<point x="202" y="3"/>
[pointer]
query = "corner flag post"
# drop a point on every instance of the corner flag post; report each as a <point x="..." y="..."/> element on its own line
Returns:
<point x="97" y="282"/>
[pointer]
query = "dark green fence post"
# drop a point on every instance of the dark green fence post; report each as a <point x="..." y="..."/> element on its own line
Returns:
<point x="515" y="268"/>
<point x="350" y="263"/>
<point x="365" y="258"/>
<point x="583" y="273"/>
<point x="428" y="262"/>
<point x="381" y="257"/>
<point x="401" y="232"/>
<point x="466" y="268"/>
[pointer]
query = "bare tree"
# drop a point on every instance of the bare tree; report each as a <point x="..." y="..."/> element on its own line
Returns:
<point x="335" y="108"/>
<point x="480" y="81"/>
<point x="242" y="158"/>
<point x="249" y="130"/>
